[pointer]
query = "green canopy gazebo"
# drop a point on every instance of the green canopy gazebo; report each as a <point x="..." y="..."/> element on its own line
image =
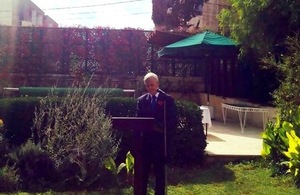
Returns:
<point x="208" y="46"/>
<point x="199" y="46"/>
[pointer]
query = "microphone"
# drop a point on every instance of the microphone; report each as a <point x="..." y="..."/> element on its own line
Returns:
<point x="161" y="91"/>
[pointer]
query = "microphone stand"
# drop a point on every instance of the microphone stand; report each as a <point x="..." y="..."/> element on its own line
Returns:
<point x="165" y="141"/>
<point x="165" y="147"/>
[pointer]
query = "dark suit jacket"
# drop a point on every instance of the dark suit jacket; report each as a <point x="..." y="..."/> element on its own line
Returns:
<point x="144" y="109"/>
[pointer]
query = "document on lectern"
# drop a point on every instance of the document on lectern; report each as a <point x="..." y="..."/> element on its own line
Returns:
<point x="133" y="123"/>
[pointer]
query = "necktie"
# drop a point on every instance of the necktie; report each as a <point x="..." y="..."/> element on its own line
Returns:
<point x="153" y="102"/>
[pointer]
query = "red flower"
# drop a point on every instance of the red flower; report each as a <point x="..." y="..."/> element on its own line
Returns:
<point x="160" y="103"/>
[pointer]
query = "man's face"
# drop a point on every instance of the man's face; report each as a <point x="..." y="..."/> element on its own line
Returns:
<point x="151" y="85"/>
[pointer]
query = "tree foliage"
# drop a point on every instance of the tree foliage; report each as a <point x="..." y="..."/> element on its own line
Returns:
<point x="260" y="24"/>
<point x="287" y="66"/>
<point x="261" y="27"/>
<point x="174" y="14"/>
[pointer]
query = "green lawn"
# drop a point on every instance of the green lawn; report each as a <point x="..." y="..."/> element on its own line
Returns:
<point x="240" y="179"/>
<point x="235" y="179"/>
<point x="243" y="178"/>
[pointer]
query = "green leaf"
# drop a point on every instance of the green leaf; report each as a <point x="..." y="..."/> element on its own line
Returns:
<point x="129" y="162"/>
<point x="266" y="150"/>
<point x="287" y="154"/>
<point x="120" y="167"/>
<point x="287" y="126"/>
<point x="110" y="164"/>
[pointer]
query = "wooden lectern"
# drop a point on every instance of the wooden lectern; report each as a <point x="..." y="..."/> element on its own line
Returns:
<point x="138" y="125"/>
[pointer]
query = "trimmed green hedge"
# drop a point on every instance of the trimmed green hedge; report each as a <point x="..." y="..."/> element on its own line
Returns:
<point x="17" y="114"/>
<point x="189" y="138"/>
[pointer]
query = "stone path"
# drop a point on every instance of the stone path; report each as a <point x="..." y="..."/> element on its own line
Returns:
<point x="227" y="139"/>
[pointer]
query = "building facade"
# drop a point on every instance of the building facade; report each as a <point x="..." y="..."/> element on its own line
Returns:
<point x="208" y="19"/>
<point x="24" y="13"/>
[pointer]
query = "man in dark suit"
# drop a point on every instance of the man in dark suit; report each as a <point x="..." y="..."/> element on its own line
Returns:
<point x="155" y="142"/>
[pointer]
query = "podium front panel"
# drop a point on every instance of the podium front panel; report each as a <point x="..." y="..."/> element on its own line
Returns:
<point x="133" y="123"/>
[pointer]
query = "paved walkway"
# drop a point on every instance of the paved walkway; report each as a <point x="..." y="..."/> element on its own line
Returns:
<point x="227" y="139"/>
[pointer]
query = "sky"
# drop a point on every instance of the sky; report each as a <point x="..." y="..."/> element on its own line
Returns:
<point x="116" y="14"/>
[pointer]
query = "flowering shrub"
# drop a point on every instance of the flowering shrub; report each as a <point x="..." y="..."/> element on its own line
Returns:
<point x="76" y="134"/>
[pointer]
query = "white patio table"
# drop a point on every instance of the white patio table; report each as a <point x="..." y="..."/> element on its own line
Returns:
<point x="206" y="117"/>
<point x="242" y="111"/>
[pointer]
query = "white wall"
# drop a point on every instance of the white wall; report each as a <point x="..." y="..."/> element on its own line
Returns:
<point x="6" y="12"/>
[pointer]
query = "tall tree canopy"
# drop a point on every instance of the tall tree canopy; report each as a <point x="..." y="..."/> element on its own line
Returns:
<point x="261" y="24"/>
<point x="263" y="28"/>
<point x="174" y="14"/>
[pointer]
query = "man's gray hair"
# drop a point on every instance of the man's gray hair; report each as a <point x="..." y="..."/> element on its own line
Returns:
<point x="150" y="75"/>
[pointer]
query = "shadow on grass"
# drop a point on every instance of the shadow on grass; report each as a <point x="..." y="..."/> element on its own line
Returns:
<point x="216" y="173"/>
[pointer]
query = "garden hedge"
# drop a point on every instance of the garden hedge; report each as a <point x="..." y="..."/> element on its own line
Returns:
<point x="189" y="138"/>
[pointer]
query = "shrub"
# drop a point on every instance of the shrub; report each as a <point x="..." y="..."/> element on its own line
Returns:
<point x="125" y="107"/>
<point x="3" y="152"/>
<point x="9" y="179"/>
<point x="4" y="149"/>
<point x="17" y="114"/>
<point x="35" y="169"/>
<point x="111" y="165"/>
<point x="189" y="138"/>
<point x="76" y="134"/>
<point x="274" y="144"/>
<point x="293" y="155"/>
<point x="121" y="107"/>
<point x="281" y="144"/>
